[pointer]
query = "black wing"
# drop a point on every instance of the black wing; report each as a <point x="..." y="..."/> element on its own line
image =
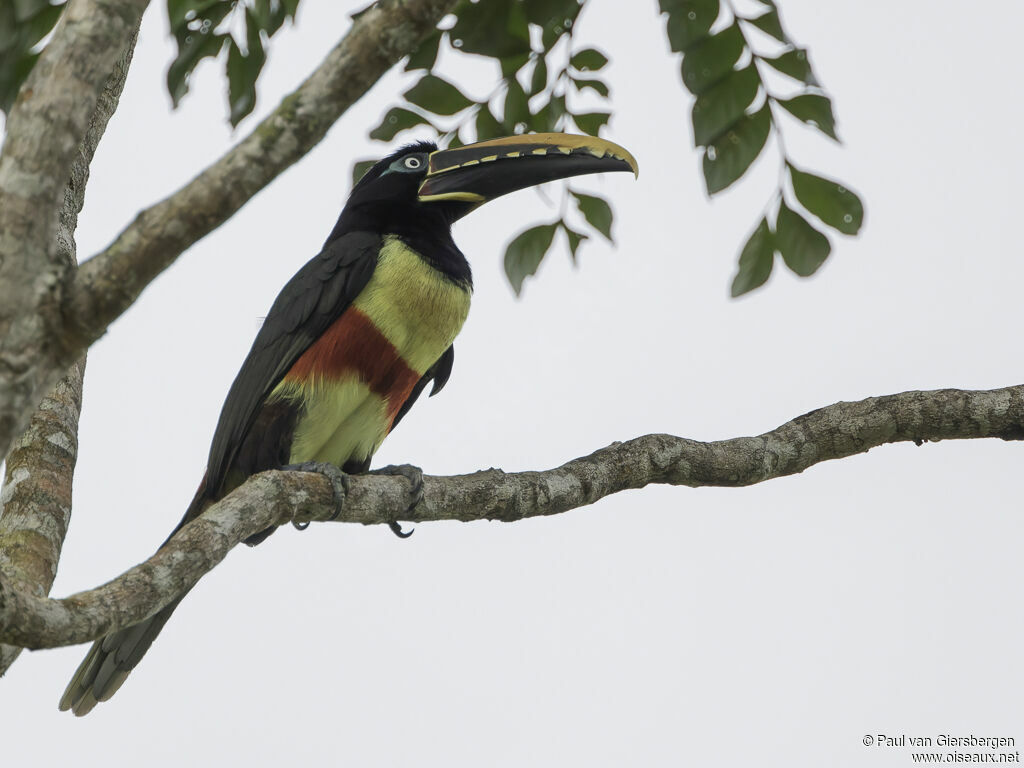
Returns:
<point x="438" y="373"/>
<point x="301" y="313"/>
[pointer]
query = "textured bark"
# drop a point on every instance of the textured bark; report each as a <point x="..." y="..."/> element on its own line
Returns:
<point x="45" y="131"/>
<point x="35" y="504"/>
<point x="109" y="283"/>
<point x="274" y="498"/>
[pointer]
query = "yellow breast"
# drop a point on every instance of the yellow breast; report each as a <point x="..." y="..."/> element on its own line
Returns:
<point x="418" y="309"/>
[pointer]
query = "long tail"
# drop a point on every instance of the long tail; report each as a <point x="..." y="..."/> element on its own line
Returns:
<point x="111" y="658"/>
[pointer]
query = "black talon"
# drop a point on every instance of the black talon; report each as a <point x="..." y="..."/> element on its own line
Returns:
<point x="415" y="477"/>
<point x="397" y="530"/>
<point x="339" y="482"/>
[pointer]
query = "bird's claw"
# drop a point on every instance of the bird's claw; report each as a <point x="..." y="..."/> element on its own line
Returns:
<point x="397" y="530"/>
<point x="415" y="477"/>
<point x="340" y="482"/>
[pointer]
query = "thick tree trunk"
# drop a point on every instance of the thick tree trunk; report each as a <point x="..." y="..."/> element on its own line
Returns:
<point x="35" y="506"/>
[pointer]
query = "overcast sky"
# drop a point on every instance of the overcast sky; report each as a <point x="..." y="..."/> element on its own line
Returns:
<point x="773" y="625"/>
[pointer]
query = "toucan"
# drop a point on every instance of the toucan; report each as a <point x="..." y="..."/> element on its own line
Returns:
<point x="355" y="337"/>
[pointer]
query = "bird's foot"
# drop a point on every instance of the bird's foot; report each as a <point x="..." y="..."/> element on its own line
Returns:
<point x="415" y="477"/>
<point x="340" y="482"/>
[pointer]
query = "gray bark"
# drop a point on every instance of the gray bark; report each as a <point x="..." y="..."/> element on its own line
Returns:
<point x="45" y="132"/>
<point x="35" y="505"/>
<point x="275" y="498"/>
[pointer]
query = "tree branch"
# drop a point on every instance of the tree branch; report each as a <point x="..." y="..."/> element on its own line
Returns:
<point x="35" y="504"/>
<point x="108" y="283"/>
<point x="45" y="130"/>
<point x="274" y="498"/>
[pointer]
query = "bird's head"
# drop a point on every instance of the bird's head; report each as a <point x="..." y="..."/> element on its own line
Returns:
<point x="453" y="182"/>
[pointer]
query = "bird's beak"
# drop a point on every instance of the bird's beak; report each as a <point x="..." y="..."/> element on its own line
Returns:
<point x="475" y="173"/>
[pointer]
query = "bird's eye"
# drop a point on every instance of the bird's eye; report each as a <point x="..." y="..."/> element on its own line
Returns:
<point x="413" y="163"/>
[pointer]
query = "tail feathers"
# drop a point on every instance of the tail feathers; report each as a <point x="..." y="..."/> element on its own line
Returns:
<point x="111" y="658"/>
<point x="109" y="661"/>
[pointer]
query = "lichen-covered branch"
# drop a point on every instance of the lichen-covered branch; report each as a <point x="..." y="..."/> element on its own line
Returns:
<point x="108" y="283"/>
<point x="274" y="498"/>
<point x="35" y="503"/>
<point x="45" y="132"/>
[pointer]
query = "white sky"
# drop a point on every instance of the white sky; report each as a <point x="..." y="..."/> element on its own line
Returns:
<point x="774" y="625"/>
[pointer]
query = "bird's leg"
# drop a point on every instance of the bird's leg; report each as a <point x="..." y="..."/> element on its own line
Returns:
<point x="340" y="482"/>
<point x="415" y="477"/>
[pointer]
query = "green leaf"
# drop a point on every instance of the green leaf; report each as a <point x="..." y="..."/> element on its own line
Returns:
<point x="574" y="238"/>
<point x="244" y="70"/>
<point x="542" y="12"/>
<point x="396" y="120"/>
<point x="770" y="23"/>
<point x="290" y="7"/>
<point x="711" y="59"/>
<point x="596" y="211"/>
<point x="8" y="33"/>
<point x="40" y="25"/>
<point x="191" y="50"/>
<point x="719" y="107"/>
<point x="525" y="253"/>
<point x="261" y="11"/>
<point x="241" y="90"/>
<point x="756" y="260"/>
<point x="546" y="118"/>
<point x="813" y="109"/>
<point x="254" y="44"/>
<point x="359" y="169"/>
<point x="588" y="60"/>
<point x="729" y="156"/>
<point x="26" y="9"/>
<point x="539" y="78"/>
<point x="510" y="65"/>
<point x="11" y="78"/>
<point x="795" y="64"/>
<point x="688" y="21"/>
<point x="591" y="122"/>
<point x="269" y="16"/>
<point x="803" y="248"/>
<point x="178" y="11"/>
<point x="426" y="54"/>
<point x="598" y="86"/>
<point x="517" y="108"/>
<point x="436" y="95"/>
<point x="555" y="18"/>
<point x="830" y="201"/>
<point x="487" y="126"/>
<point x="496" y="28"/>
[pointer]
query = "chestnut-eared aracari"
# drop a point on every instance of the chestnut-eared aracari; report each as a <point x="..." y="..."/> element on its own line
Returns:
<point x="356" y="335"/>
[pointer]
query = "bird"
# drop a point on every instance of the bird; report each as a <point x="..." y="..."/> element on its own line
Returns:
<point x="354" y="338"/>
